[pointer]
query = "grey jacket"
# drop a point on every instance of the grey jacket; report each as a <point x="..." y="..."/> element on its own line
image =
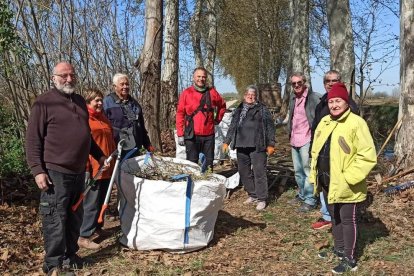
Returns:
<point x="266" y="132"/>
<point x="312" y="99"/>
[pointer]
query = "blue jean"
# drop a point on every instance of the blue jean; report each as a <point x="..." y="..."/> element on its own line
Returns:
<point x="324" y="208"/>
<point x="300" y="158"/>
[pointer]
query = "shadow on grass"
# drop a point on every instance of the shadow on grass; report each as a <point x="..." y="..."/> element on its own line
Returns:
<point x="227" y="224"/>
<point x="370" y="228"/>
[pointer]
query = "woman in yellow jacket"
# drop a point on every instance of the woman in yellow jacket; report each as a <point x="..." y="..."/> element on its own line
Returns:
<point x="343" y="154"/>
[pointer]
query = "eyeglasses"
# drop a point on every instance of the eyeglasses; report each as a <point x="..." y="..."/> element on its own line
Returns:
<point x="66" y="76"/>
<point x="299" y="83"/>
<point x="331" y="81"/>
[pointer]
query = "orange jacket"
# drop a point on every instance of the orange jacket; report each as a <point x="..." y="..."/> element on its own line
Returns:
<point x="101" y="131"/>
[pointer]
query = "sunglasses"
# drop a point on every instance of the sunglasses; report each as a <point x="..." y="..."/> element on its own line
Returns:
<point x="299" y="83"/>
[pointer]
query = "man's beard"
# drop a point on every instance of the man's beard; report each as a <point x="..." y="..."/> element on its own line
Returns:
<point x="65" y="88"/>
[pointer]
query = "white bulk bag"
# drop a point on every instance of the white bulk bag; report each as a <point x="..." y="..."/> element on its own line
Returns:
<point x="154" y="213"/>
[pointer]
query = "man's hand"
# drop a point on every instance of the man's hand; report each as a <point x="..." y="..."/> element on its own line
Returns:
<point x="270" y="150"/>
<point x="42" y="180"/>
<point x="102" y="162"/>
<point x="225" y="148"/>
<point x="181" y="141"/>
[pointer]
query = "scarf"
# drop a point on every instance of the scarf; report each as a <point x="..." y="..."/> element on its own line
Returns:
<point x="94" y="114"/>
<point x="245" y="109"/>
<point x="200" y="89"/>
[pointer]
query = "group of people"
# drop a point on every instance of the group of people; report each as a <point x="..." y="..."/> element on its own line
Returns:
<point x="69" y="135"/>
<point x="69" y="138"/>
<point x="333" y="152"/>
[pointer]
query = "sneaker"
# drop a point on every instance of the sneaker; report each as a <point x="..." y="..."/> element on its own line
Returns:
<point x="325" y="254"/>
<point x="305" y="208"/>
<point x="261" y="205"/>
<point x="321" y="224"/>
<point x="344" y="266"/>
<point x="250" y="200"/>
<point x="295" y="200"/>
<point x="88" y="244"/>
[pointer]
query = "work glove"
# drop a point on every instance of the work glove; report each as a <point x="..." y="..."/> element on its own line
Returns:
<point x="151" y="148"/>
<point x="181" y="141"/>
<point x="270" y="150"/>
<point x="225" y="148"/>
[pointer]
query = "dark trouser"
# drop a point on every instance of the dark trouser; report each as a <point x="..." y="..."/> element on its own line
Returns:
<point x="92" y="204"/>
<point x="344" y="226"/>
<point x="61" y="225"/>
<point x="254" y="181"/>
<point x="200" y="144"/>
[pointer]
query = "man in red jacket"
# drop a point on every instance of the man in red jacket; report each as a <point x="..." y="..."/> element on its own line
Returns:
<point x="199" y="108"/>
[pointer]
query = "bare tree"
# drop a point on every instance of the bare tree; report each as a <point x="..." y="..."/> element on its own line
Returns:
<point x="169" y="79"/>
<point x="404" y="147"/>
<point x="149" y="65"/>
<point x="374" y="44"/>
<point x="95" y="36"/>
<point x="299" y="48"/>
<point x="195" y="32"/>
<point x="211" y="40"/>
<point x="341" y="41"/>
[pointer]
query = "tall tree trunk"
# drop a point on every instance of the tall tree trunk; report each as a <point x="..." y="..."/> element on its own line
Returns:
<point x="195" y="33"/>
<point x="211" y="42"/>
<point x="404" y="147"/>
<point x="150" y="69"/>
<point x="299" y="50"/>
<point x="169" y="80"/>
<point x="342" y="41"/>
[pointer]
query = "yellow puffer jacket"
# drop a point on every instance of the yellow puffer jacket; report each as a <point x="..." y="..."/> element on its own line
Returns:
<point x="352" y="156"/>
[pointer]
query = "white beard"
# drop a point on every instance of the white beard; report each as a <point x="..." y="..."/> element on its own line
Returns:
<point x="65" y="88"/>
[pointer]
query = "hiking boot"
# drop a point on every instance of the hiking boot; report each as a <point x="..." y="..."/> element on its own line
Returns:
<point x="325" y="254"/>
<point x="250" y="200"/>
<point x="88" y="244"/>
<point x="305" y="208"/>
<point x="74" y="262"/>
<point x="321" y="224"/>
<point x="295" y="200"/>
<point x="344" y="266"/>
<point x="261" y="205"/>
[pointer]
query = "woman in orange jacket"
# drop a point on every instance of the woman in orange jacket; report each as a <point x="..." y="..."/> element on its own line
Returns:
<point x="101" y="131"/>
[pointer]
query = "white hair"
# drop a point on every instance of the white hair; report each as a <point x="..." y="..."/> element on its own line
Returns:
<point x="119" y="76"/>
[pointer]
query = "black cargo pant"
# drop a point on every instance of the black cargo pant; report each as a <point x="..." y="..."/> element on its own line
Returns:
<point x="92" y="204"/>
<point x="60" y="224"/>
<point x="200" y="144"/>
<point x="252" y="169"/>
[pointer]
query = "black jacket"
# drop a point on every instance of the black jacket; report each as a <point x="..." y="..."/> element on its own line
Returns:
<point x="265" y="135"/>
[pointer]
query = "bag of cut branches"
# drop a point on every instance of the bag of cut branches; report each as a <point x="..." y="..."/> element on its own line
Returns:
<point x="167" y="203"/>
